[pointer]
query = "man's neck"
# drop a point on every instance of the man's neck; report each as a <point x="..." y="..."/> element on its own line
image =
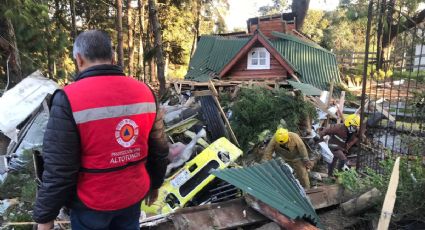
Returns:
<point x="94" y="63"/>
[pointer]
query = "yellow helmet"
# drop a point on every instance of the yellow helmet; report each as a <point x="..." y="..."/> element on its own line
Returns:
<point x="281" y="136"/>
<point x="352" y="120"/>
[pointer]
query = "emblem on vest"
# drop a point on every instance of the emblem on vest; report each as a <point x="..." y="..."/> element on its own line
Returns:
<point x="126" y="132"/>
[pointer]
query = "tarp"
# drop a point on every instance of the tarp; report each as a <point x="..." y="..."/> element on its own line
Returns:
<point x="19" y="102"/>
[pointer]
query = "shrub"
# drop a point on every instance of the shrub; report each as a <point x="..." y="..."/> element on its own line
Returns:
<point x="258" y="109"/>
<point x="410" y="192"/>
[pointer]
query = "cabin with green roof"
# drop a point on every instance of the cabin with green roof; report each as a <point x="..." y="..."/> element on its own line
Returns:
<point x="277" y="55"/>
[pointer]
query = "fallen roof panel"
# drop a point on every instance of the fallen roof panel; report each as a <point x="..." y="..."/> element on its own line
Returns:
<point x="306" y="89"/>
<point x="273" y="183"/>
<point x="20" y="101"/>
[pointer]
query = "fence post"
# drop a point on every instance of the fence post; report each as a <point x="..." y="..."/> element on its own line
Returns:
<point x="366" y="60"/>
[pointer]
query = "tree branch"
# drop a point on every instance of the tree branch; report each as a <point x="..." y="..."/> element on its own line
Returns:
<point x="397" y="29"/>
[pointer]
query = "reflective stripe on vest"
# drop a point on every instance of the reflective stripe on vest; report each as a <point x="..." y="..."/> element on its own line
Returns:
<point x="113" y="111"/>
<point x="114" y="116"/>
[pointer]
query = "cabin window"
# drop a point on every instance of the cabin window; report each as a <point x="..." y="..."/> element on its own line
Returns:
<point x="258" y="58"/>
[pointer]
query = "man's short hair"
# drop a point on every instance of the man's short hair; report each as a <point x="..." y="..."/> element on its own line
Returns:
<point x="93" y="45"/>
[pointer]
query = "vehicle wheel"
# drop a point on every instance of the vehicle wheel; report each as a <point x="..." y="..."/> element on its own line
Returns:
<point x="212" y="119"/>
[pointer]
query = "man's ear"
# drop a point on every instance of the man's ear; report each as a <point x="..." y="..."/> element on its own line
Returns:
<point x="80" y="61"/>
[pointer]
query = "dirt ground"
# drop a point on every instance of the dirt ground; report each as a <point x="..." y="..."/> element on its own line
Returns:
<point x="333" y="219"/>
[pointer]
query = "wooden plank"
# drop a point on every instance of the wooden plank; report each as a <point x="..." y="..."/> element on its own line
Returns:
<point x="201" y="93"/>
<point x="340" y="107"/>
<point x="225" y="215"/>
<point x="328" y="102"/>
<point x="390" y="196"/>
<point x="258" y="73"/>
<point x="366" y="104"/>
<point x="361" y="203"/>
<point x="277" y="217"/>
<point x="33" y="223"/>
<point x="295" y="77"/>
<point x="326" y="196"/>
<point x="385" y="113"/>
<point x="212" y="87"/>
<point x="319" y="104"/>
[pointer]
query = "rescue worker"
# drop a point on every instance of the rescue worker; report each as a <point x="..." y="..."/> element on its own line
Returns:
<point x="291" y="148"/>
<point x="342" y="137"/>
<point x="104" y="148"/>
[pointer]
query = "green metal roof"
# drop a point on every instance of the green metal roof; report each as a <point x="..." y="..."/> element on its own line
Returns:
<point x="314" y="64"/>
<point x="273" y="183"/>
<point x="211" y="55"/>
<point x="306" y="89"/>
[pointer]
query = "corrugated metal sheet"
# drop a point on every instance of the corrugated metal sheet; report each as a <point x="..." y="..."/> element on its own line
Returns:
<point x="315" y="65"/>
<point x="306" y="89"/>
<point x="211" y="55"/>
<point x="273" y="183"/>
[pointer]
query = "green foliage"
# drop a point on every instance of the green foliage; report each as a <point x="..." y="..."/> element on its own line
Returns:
<point x="277" y="7"/>
<point x="19" y="213"/>
<point x="410" y="192"/>
<point x="20" y="183"/>
<point x="315" y="24"/>
<point x="348" y="179"/>
<point x="258" y="109"/>
<point x="42" y="41"/>
<point x="418" y="75"/>
<point x="28" y="191"/>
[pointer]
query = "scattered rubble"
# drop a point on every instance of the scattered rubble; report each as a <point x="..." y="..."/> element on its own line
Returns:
<point x="202" y="140"/>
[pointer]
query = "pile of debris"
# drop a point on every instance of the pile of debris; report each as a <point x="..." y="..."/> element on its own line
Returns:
<point x="22" y="128"/>
<point x="209" y="180"/>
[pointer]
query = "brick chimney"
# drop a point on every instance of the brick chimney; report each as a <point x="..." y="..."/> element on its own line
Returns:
<point x="283" y="23"/>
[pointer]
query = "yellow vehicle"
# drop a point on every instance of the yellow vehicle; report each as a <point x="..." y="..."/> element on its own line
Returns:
<point x="183" y="185"/>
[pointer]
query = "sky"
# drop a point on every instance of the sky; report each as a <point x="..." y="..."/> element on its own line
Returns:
<point x="241" y="10"/>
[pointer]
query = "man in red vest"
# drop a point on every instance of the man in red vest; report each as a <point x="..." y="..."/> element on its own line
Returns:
<point x="104" y="147"/>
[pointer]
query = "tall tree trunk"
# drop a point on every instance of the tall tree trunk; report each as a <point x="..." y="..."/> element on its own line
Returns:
<point x="379" y="38"/>
<point x="120" y="50"/>
<point x="148" y="46"/>
<point x="73" y="23"/>
<point x="11" y="52"/>
<point x="130" y="40"/>
<point x="159" y="52"/>
<point x="197" y="26"/>
<point x="141" y="62"/>
<point x="73" y="28"/>
<point x="300" y="8"/>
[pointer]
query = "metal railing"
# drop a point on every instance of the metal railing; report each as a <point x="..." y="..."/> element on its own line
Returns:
<point x="393" y="85"/>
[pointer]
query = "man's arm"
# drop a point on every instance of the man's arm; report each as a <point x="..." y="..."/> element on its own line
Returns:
<point x="158" y="152"/>
<point x="268" y="152"/>
<point x="352" y="142"/>
<point x="61" y="155"/>
<point x="329" y="131"/>
<point x="302" y="150"/>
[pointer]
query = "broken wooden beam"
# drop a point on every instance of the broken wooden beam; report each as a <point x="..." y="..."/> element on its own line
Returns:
<point x="361" y="203"/>
<point x="328" y="102"/>
<point x="215" y="94"/>
<point x="326" y="196"/>
<point x="277" y="217"/>
<point x="319" y="104"/>
<point x="224" y="215"/>
<point x="390" y="196"/>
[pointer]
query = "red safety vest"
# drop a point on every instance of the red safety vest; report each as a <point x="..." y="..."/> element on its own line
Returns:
<point x="114" y="116"/>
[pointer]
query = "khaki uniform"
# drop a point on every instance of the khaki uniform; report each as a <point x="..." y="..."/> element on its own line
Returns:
<point x="294" y="153"/>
